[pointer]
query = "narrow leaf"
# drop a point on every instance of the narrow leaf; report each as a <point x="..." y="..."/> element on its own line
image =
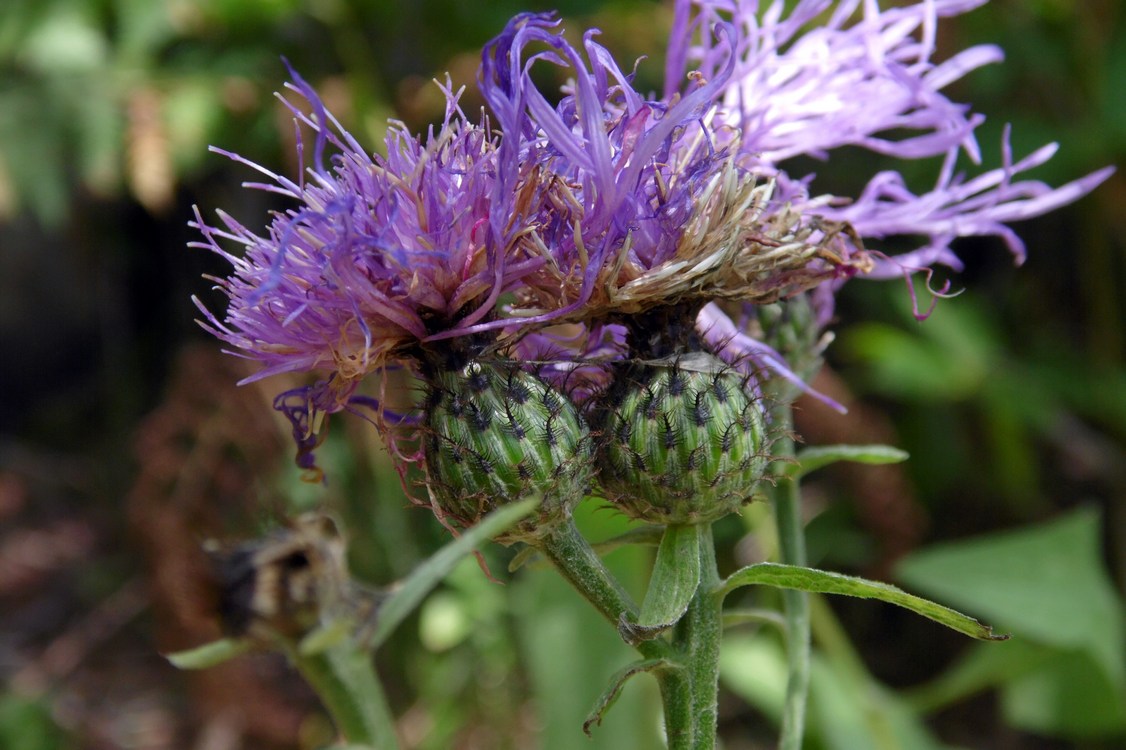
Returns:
<point x="824" y="582"/>
<point x="326" y="636"/>
<point x="676" y="576"/>
<point x="209" y="654"/>
<point x="643" y="535"/>
<point x="431" y="572"/>
<point x="617" y="682"/>
<point x="522" y="558"/>
<point x="820" y="456"/>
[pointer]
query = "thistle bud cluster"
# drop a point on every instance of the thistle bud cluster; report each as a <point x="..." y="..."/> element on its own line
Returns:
<point x="674" y="218"/>
<point x="675" y="439"/>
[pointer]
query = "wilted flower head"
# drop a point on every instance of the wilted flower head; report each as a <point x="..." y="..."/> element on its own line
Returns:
<point x="688" y="197"/>
<point x="749" y="86"/>
<point x="647" y="202"/>
<point x="379" y="254"/>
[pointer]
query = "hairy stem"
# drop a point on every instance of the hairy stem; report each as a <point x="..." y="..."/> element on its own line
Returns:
<point x="571" y="554"/>
<point x="791" y="543"/>
<point x="697" y="637"/>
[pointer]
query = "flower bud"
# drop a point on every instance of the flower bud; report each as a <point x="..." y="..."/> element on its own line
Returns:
<point x="792" y="328"/>
<point x="497" y="434"/>
<point x="683" y="442"/>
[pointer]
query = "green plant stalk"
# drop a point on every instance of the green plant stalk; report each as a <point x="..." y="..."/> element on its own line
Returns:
<point x="574" y="558"/>
<point x="697" y="639"/>
<point x="578" y="563"/>
<point x="344" y="678"/>
<point x="791" y="547"/>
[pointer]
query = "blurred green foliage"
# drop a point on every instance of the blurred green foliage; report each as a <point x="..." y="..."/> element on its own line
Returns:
<point x="1011" y="399"/>
<point x="27" y="724"/>
<point x="1048" y="587"/>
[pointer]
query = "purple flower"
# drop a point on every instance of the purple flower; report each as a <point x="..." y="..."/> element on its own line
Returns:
<point x="612" y="203"/>
<point x="647" y="202"/>
<point x="687" y="198"/>
<point x="377" y="256"/>
<point x="803" y="86"/>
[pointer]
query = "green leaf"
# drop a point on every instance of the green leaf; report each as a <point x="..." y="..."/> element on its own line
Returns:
<point x="431" y="572"/>
<point x="811" y="459"/>
<point x="1045" y="583"/>
<point x="824" y="582"/>
<point x="676" y="576"/>
<point x="617" y="682"/>
<point x="209" y="654"/>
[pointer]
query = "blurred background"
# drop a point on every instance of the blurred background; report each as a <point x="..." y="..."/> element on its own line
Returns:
<point x="124" y="442"/>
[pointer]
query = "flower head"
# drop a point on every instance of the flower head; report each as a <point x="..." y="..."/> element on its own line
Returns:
<point x="690" y="197"/>
<point x="379" y="254"/>
<point x="647" y="202"/>
<point x="611" y="210"/>
<point x="834" y="73"/>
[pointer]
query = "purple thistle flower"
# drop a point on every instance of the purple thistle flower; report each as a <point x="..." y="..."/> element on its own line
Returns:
<point x="380" y="253"/>
<point x="611" y="204"/>
<point x="646" y="202"/>
<point x="688" y="197"/>
<point x="803" y="86"/>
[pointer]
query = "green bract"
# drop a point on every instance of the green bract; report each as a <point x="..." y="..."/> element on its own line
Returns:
<point x="497" y="433"/>
<point x="682" y="444"/>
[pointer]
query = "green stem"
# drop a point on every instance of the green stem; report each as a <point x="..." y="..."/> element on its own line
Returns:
<point x="791" y="544"/>
<point x="571" y="554"/>
<point x="677" y="701"/>
<point x="697" y="637"/>
<point x="344" y="678"/>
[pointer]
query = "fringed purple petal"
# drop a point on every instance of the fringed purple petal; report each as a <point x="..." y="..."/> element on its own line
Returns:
<point x="379" y="253"/>
<point x="978" y="207"/>
<point x="747" y="355"/>
<point x="631" y="168"/>
<point x="802" y="86"/>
